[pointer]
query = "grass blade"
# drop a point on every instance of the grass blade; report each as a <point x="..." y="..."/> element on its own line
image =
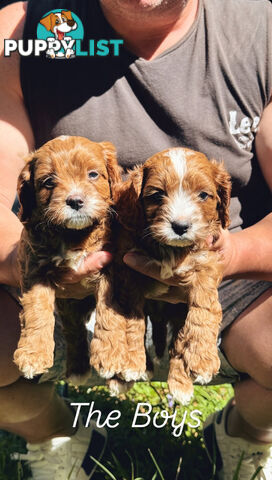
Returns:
<point x="156" y="465"/>
<point x="72" y="469"/>
<point x="131" y="466"/>
<point x="256" y="473"/>
<point x="178" y="469"/>
<point x="236" y="473"/>
<point x="104" y="468"/>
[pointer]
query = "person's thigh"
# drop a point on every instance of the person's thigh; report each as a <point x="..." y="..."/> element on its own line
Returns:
<point x="9" y="334"/>
<point x="247" y="341"/>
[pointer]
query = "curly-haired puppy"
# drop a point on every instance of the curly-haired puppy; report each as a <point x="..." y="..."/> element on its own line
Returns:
<point x="167" y="209"/>
<point x="65" y="195"/>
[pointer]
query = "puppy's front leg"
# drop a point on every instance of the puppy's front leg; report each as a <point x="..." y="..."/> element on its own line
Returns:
<point x="135" y="368"/>
<point x="109" y="343"/>
<point x="179" y="381"/>
<point x="200" y="332"/>
<point x="35" y="351"/>
<point x="74" y="314"/>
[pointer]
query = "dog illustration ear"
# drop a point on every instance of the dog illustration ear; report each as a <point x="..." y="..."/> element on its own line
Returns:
<point x="223" y="183"/>
<point x="113" y="169"/>
<point x="26" y="191"/>
<point x="67" y="14"/>
<point x="47" y="21"/>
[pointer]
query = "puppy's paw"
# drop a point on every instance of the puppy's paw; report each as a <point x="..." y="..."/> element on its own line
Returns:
<point x="181" y="392"/>
<point x="135" y="367"/>
<point x="203" y="371"/>
<point x="203" y="378"/>
<point x="130" y="375"/>
<point x="107" y="373"/>
<point x="32" y="363"/>
<point x="118" y="386"/>
<point x="106" y="369"/>
<point x="106" y="360"/>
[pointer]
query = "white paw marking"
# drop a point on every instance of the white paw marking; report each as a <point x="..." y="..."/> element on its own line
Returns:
<point x="203" y="379"/>
<point x="106" y="373"/>
<point x="182" y="397"/>
<point x="132" y="375"/>
<point x="29" y="372"/>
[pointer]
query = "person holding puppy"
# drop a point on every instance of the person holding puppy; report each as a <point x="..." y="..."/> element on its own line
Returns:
<point x="192" y="73"/>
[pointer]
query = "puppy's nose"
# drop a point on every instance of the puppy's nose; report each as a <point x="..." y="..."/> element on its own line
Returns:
<point x="75" y="202"/>
<point x="180" y="227"/>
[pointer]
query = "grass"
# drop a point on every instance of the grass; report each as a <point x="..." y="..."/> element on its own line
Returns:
<point x="139" y="453"/>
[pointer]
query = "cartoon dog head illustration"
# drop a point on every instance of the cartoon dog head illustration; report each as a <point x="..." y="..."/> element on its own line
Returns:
<point x="59" y="23"/>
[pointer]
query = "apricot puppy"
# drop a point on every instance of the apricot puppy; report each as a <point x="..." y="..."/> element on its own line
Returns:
<point x="65" y="195"/>
<point x="167" y="209"/>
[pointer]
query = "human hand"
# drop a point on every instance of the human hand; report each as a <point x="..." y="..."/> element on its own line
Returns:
<point x="149" y="267"/>
<point x="70" y="279"/>
<point x="226" y="245"/>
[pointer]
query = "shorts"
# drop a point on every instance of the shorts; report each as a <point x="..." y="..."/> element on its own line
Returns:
<point x="235" y="296"/>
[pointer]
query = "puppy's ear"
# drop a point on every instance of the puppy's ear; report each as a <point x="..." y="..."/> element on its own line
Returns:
<point x="26" y="191"/>
<point x="128" y="202"/>
<point x="223" y="186"/>
<point x="110" y="156"/>
<point x="46" y="21"/>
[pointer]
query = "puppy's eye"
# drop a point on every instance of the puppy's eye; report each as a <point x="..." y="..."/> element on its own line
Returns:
<point x="203" y="195"/>
<point x="49" y="183"/>
<point x="93" y="174"/>
<point x="57" y="21"/>
<point x="156" y="195"/>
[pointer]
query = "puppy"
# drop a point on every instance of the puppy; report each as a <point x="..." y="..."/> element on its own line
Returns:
<point x="167" y="209"/>
<point x="65" y="195"/>
<point x="59" y="24"/>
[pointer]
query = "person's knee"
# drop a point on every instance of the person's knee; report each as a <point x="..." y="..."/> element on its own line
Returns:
<point x="9" y="334"/>
<point x="246" y="342"/>
<point x="263" y="378"/>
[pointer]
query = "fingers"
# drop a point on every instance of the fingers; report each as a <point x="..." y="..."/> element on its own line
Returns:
<point x="91" y="264"/>
<point x="209" y="241"/>
<point x="219" y="242"/>
<point x="94" y="262"/>
<point x="147" y="266"/>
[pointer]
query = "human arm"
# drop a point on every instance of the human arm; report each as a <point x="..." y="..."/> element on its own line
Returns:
<point x="248" y="253"/>
<point x="16" y="140"/>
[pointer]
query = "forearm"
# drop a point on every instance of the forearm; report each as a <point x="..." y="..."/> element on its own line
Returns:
<point x="10" y="231"/>
<point x="250" y="252"/>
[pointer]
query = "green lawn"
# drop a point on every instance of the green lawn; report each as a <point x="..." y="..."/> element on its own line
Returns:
<point x="147" y="453"/>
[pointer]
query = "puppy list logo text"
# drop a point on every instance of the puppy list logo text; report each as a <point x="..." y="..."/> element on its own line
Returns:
<point x="59" y="35"/>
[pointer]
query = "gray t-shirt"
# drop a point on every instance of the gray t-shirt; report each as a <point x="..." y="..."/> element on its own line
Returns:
<point x="207" y="92"/>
